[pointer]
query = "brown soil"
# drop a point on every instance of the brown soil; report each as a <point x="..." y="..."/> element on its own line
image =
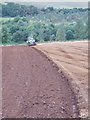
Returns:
<point x="32" y="86"/>
<point x="72" y="57"/>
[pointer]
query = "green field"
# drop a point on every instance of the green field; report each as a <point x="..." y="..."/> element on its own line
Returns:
<point x="4" y="19"/>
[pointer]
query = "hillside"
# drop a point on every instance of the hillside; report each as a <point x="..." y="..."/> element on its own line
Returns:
<point x="46" y="24"/>
<point x="72" y="57"/>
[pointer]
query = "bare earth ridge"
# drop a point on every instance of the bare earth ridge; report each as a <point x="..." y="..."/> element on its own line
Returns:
<point x="32" y="86"/>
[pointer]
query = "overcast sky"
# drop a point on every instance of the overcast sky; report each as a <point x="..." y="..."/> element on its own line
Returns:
<point x="63" y="3"/>
<point x="47" y="0"/>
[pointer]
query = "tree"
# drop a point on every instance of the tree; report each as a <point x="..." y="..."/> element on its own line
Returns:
<point x="52" y="37"/>
<point x="10" y="9"/>
<point x="16" y="19"/>
<point x="80" y="30"/>
<point x="49" y="9"/>
<point x="60" y="35"/>
<point x="14" y="28"/>
<point x="32" y="10"/>
<point x="87" y="28"/>
<point x="20" y="36"/>
<point x="6" y="37"/>
<point x="69" y="35"/>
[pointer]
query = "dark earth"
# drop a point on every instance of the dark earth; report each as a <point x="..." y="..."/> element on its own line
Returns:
<point x="32" y="87"/>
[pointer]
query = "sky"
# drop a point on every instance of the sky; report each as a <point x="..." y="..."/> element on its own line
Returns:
<point x="47" y="0"/>
<point x="54" y="3"/>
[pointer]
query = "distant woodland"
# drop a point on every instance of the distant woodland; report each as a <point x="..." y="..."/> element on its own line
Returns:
<point x="44" y="24"/>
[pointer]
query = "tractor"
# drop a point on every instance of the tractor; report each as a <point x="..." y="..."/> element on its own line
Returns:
<point x="31" y="41"/>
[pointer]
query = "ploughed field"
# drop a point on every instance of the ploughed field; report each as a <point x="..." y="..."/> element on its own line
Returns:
<point x="33" y="86"/>
<point x="72" y="57"/>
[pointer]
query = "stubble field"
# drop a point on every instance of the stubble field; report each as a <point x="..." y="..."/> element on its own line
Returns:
<point x="72" y="57"/>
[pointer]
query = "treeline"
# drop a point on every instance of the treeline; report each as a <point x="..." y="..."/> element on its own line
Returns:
<point x="18" y="29"/>
<point x="46" y="24"/>
<point x="10" y="9"/>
